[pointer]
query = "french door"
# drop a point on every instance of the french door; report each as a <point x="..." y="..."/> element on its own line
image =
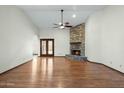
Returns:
<point x="46" y="47"/>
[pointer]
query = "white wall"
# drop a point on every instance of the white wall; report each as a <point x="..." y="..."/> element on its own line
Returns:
<point x="17" y="36"/>
<point x="105" y="37"/>
<point x="61" y="40"/>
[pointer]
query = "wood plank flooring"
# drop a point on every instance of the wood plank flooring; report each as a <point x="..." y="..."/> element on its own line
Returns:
<point x="59" y="72"/>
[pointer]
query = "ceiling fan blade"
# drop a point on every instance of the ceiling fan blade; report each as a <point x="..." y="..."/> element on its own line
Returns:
<point x="55" y="27"/>
<point x="62" y="16"/>
<point x="68" y="26"/>
<point x="56" y="24"/>
<point x="67" y="23"/>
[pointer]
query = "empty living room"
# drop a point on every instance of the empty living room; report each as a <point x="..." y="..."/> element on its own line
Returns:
<point x="61" y="46"/>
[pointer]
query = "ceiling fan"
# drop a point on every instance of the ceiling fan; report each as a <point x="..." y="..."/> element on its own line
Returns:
<point x="62" y="25"/>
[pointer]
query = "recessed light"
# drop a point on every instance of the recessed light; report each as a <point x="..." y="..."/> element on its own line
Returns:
<point x="60" y="23"/>
<point x="74" y="15"/>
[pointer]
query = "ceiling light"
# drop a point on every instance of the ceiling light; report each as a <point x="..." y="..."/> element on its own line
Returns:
<point x="74" y="15"/>
<point x="62" y="27"/>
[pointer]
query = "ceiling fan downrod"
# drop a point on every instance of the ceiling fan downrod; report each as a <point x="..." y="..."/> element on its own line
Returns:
<point x="62" y="17"/>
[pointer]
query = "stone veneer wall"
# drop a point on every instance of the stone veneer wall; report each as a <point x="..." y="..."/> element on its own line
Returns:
<point x="77" y="34"/>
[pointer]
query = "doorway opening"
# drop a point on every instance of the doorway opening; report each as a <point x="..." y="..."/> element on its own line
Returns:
<point x="46" y="47"/>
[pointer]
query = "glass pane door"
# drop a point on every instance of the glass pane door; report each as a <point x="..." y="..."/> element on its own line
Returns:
<point x="47" y="47"/>
<point x="50" y="47"/>
<point x="44" y="51"/>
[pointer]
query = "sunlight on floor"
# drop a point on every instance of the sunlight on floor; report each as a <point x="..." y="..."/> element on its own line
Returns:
<point x="34" y="68"/>
<point x="50" y="66"/>
<point x="47" y="67"/>
<point x="34" y="64"/>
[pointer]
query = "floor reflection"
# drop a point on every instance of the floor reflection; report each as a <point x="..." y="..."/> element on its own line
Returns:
<point x="44" y="67"/>
<point x="50" y="66"/>
<point x="47" y="67"/>
<point x="34" y="68"/>
<point x="34" y="64"/>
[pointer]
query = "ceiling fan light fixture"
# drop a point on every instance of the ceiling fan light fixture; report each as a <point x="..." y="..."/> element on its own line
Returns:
<point x="62" y="27"/>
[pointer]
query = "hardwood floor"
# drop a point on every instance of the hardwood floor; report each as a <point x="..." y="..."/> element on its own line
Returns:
<point x="59" y="72"/>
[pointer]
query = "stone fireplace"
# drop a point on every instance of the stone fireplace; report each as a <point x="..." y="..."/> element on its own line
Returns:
<point x="77" y="40"/>
<point x="77" y="43"/>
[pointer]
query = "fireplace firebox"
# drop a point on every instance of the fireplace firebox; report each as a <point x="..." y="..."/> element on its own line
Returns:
<point x="75" y="48"/>
<point x="76" y="52"/>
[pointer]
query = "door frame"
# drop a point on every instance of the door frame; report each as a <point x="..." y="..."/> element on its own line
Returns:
<point x="49" y="39"/>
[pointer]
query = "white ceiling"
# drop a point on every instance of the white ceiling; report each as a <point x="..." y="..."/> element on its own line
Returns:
<point x="44" y="16"/>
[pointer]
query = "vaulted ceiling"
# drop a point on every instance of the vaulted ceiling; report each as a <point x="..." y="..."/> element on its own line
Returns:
<point x="44" y="16"/>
